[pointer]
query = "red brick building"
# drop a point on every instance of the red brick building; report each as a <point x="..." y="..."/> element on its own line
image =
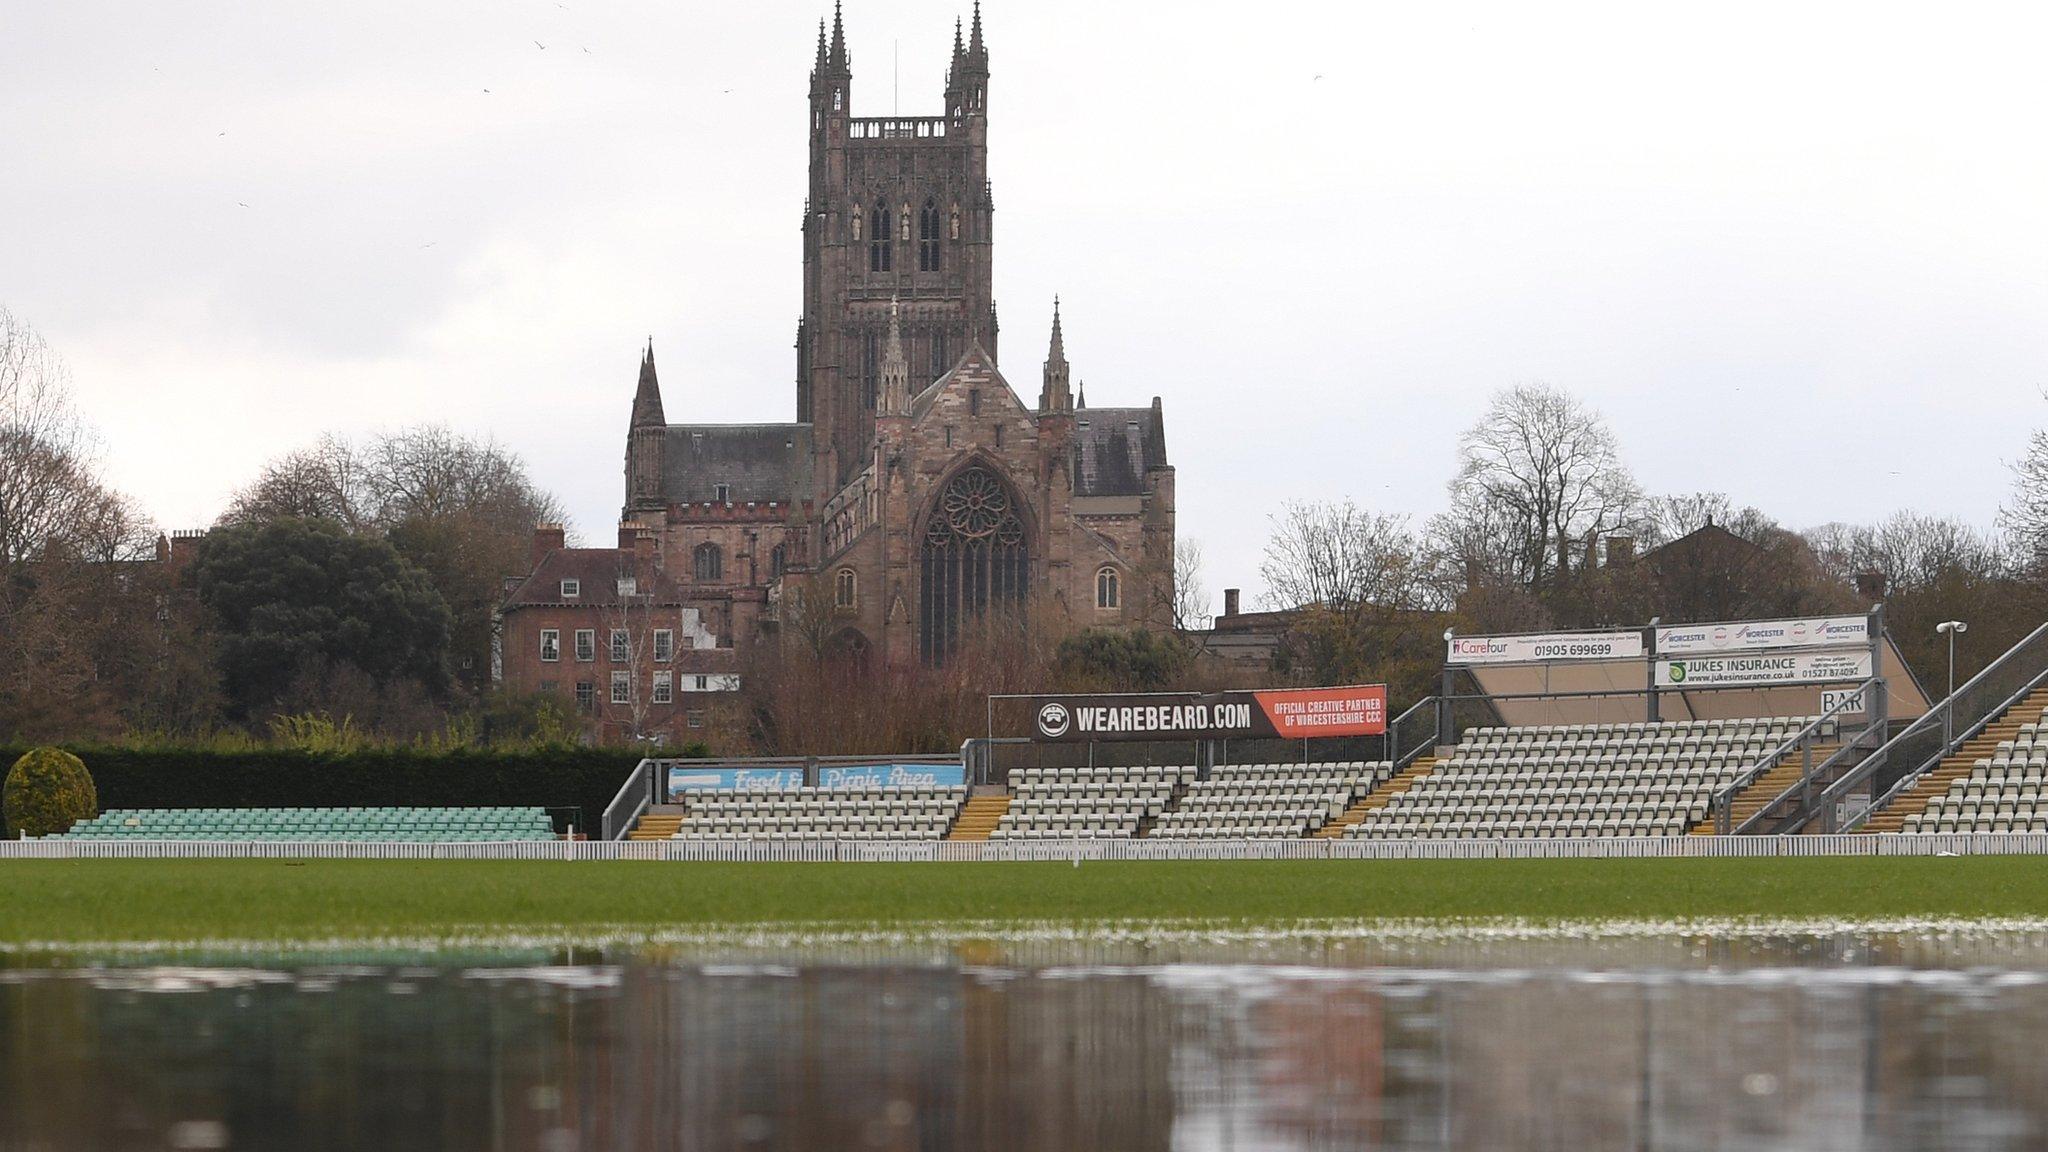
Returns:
<point x="607" y="629"/>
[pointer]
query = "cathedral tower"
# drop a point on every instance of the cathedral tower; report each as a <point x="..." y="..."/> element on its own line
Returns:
<point x="899" y="210"/>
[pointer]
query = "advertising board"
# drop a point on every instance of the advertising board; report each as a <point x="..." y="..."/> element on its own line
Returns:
<point x="1753" y="635"/>
<point x="890" y="775"/>
<point x="691" y="779"/>
<point x="1537" y="649"/>
<point x="1294" y="713"/>
<point x="1784" y="668"/>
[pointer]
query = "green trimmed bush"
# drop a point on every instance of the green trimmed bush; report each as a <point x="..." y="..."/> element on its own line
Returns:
<point x="47" y="791"/>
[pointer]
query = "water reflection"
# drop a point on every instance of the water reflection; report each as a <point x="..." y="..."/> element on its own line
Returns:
<point x="1818" y="1043"/>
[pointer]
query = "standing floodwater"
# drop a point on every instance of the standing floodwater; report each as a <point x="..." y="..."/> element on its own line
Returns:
<point x="1797" y="1044"/>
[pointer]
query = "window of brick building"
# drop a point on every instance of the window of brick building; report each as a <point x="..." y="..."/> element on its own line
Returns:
<point x="571" y="589"/>
<point x="778" y="559"/>
<point x="664" y="687"/>
<point x="694" y="719"/>
<point x="548" y="687"/>
<point x="664" y="645"/>
<point x="550" y="644"/>
<point x="622" y="646"/>
<point x="709" y="561"/>
<point x="999" y="435"/>
<point x="846" y="588"/>
<point x="878" y="240"/>
<point x="722" y="493"/>
<point x="928" y="238"/>
<point x="622" y="687"/>
<point x="629" y="586"/>
<point x="586" y="644"/>
<point x="586" y="694"/>
<point x="1108" y="588"/>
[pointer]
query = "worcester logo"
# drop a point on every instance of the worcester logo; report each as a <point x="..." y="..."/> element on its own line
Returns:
<point x="1053" y="720"/>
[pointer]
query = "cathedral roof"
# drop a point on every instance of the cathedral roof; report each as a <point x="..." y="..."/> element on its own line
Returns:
<point x="1115" y="447"/>
<point x="758" y="463"/>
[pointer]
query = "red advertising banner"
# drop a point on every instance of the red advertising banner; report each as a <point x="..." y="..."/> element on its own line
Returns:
<point x="1299" y="713"/>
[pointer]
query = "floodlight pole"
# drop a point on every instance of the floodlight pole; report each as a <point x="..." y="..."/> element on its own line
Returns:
<point x="1949" y="628"/>
<point x="1445" y="737"/>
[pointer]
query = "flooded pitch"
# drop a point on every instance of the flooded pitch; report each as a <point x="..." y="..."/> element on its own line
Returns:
<point x="1894" y="1039"/>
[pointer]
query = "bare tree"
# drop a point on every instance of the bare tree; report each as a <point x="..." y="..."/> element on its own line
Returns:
<point x="1539" y="477"/>
<point x="430" y="472"/>
<point x="1909" y="550"/>
<point x="1340" y="556"/>
<point x="2025" y="515"/>
<point x="1359" y="591"/>
<point x="48" y="483"/>
<point x="1667" y="518"/>
<point x="1190" y="606"/>
<point x="330" y="480"/>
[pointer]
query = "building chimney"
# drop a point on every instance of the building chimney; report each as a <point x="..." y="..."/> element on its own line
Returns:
<point x="1230" y="601"/>
<point x="1620" y="550"/>
<point x="547" y="538"/>
<point x="644" y="542"/>
<point x="1870" y="585"/>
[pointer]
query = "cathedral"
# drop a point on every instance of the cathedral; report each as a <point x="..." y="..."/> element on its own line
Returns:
<point x="915" y="495"/>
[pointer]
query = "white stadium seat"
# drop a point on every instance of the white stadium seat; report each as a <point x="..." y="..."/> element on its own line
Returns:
<point x="1578" y="780"/>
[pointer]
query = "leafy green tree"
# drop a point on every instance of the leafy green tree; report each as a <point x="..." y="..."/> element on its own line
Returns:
<point x="47" y="791"/>
<point x="461" y="510"/>
<point x="296" y="597"/>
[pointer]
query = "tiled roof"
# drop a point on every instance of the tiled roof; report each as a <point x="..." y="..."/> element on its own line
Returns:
<point x="1114" y="448"/>
<point x="758" y="463"/>
<point x="597" y="570"/>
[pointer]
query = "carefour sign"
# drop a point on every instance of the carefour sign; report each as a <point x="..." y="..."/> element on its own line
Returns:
<point x="1538" y="649"/>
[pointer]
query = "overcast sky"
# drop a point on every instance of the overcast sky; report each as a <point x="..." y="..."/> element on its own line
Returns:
<point x="1797" y="253"/>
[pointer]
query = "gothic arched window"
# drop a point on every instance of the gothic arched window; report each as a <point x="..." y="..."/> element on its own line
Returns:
<point x="846" y="589"/>
<point x="973" y="560"/>
<point x="878" y="240"/>
<point x="928" y="238"/>
<point x="778" y="560"/>
<point x="709" y="562"/>
<point x="1108" y="588"/>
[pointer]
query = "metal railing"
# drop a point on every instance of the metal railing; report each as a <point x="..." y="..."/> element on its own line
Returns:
<point x="1061" y="851"/>
<point x="1413" y="732"/>
<point x="1942" y="729"/>
<point x="1721" y="807"/>
<point x="635" y="796"/>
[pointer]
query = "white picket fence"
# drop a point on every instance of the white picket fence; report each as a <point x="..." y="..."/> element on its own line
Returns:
<point x="1986" y="844"/>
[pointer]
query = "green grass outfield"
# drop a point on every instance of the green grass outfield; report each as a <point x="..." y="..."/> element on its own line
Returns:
<point x="131" y="900"/>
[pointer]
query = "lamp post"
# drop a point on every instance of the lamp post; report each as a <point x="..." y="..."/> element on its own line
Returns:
<point x="1950" y="628"/>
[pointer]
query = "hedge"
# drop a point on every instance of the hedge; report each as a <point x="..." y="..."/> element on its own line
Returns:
<point x="47" y="790"/>
<point x="585" y="778"/>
